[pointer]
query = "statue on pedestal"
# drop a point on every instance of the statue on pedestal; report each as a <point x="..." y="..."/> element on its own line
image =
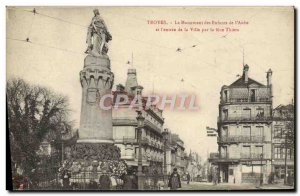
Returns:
<point x="97" y="36"/>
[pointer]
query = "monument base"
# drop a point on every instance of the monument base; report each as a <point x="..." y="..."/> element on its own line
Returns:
<point x="89" y="162"/>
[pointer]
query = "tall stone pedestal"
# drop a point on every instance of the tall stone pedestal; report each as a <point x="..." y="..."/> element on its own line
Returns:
<point x="94" y="155"/>
<point x="96" y="80"/>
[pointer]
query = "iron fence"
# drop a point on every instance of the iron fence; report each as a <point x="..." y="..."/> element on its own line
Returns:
<point x="91" y="181"/>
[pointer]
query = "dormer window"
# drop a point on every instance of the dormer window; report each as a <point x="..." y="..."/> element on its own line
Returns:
<point x="252" y="95"/>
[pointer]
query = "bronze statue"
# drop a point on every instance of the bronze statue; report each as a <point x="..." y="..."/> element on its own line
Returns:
<point x="97" y="36"/>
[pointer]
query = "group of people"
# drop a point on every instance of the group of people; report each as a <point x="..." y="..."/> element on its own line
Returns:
<point x="129" y="182"/>
<point x="106" y="182"/>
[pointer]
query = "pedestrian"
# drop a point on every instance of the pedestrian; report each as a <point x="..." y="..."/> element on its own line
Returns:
<point x="174" y="180"/>
<point x="113" y="182"/>
<point x="66" y="179"/>
<point x="215" y="176"/>
<point x="130" y="181"/>
<point x="105" y="182"/>
<point x="188" y="178"/>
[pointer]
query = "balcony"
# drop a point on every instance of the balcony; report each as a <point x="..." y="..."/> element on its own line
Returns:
<point x="241" y="139"/>
<point x="231" y="119"/>
<point x="246" y="100"/>
<point x="252" y="156"/>
<point x="225" y="158"/>
<point x="145" y="141"/>
<point x="132" y="140"/>
<point x="129" y="140"/>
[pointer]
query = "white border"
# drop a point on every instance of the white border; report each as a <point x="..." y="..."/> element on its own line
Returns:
<point x="4" y="3"/>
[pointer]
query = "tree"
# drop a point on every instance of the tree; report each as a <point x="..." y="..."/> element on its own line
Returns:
<point x="34" y="114"/>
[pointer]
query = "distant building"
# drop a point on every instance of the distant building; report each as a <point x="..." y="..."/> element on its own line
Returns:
<point x="244" y="130"/>
<point x="283" y="116"/>
<point x="175" y="155"/>
<point x="125" y="129"/>
<point x="194" y="166"/>
<point x="178" y="155"/>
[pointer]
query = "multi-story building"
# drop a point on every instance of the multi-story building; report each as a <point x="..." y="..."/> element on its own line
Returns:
<point x="244" y="130"/>
<point x="282" y="143"/>
<point x="125" y="129"/>
<point x="194" y="165"/>
<point x="175" y="155"/>
<point x="178" y="154"/>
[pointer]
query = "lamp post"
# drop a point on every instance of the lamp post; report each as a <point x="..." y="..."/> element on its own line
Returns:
<point x="261" y="168"/>
<point x="140" y="121"/>
<point x="165" y="137"/>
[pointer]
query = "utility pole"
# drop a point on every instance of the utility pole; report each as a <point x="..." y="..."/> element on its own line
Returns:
<point x="261" y="169"/>
<point x="285" y="157"/>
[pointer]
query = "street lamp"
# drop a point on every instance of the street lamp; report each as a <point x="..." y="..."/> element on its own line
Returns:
<point x="261" y="168"/>
<point x="165" y="137"/>
<point x="140" y="125"/>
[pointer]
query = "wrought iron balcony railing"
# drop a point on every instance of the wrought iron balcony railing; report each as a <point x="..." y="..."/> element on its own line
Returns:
<point x="240" y="139"/>
<point x="252" y="156"/>
<point x="132" y="140"/>
<point x="244" y="118"/>
<point x="246" y="100"/>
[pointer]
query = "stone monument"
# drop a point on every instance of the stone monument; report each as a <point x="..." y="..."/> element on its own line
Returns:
<point x="95" y="152"/>
<point x="96" y="80"/>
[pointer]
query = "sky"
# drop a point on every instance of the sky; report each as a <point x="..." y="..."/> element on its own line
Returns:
<point x="58" y="34"/>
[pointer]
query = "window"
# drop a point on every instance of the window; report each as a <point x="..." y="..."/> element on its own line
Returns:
<point x="226" y="95"/>
<point x="278" y="132"/>
<point x="246" y="131"/>
<point x="290" y="154"/>
<point x="225" y="132"/>
<point x="252" y="95"/>
<point x="277" y="152"/>
<point x="246" y="113"/>
<point x="260" y="131"/>
<point x="246" y="152"/>
<point x="260" y="113"/>
<point x="258" y="151"/>
<point x="225" y="112"/>
<point x="224" y="152"/>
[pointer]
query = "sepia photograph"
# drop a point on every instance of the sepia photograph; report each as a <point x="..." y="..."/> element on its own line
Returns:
<point x="125" y="98"/>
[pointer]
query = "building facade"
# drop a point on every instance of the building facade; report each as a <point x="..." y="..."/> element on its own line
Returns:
<point x="194" y="167"/>
<point x="283" y="148"/>
<point x="178" y="156"/>
<point x="175" y="154"/>
<point x="125" y="133"/>
<point x="244" y="130"/>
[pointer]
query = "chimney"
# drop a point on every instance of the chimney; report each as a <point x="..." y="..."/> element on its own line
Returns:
<point x="269" y="77"/>
<point x="245" y="73"/>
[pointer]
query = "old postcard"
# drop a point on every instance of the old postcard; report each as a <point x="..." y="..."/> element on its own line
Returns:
<point x="150" y="98"/>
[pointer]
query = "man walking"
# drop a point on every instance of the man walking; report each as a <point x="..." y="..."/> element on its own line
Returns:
<point x="174" y="180"/>
<point x="188" y="178"/>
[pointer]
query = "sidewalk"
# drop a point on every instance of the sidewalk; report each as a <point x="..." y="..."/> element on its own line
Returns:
<point x="276" y="186"/>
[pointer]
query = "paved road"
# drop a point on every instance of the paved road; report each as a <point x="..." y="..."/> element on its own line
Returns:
<point x="225" y="187"/>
